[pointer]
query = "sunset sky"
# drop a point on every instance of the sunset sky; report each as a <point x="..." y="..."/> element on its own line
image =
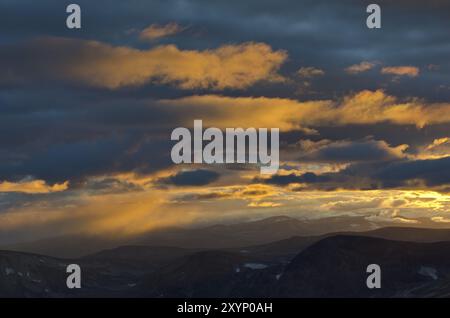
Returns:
<point x="86" y="115"/>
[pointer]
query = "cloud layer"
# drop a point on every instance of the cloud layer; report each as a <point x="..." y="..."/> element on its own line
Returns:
<point x="102" y="65"/>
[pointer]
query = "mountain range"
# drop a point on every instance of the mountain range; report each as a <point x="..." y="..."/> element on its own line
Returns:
<point x="414" y="263"/>
<point x="222" y="236"/>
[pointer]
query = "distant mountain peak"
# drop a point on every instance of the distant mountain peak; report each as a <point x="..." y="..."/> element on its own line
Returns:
<point x="278" y="218"/>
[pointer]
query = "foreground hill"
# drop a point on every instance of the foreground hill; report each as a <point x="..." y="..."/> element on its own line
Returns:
<point x="335" y="267"/>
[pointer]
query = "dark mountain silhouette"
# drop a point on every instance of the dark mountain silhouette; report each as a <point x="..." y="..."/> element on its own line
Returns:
<point x="316" y="266"/>
<point x="140" y="256"/>
<point x="220" y="236"/>
<point x="286" y="249"/>
<point x="197" y="275"/>
<point x="110" y="273"/>
<point x="335" y="267"/>
<point x="413" y="234"/>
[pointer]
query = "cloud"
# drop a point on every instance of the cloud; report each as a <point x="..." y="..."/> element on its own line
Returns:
<point x="245" y="112"/>
<point x="309" y="72"/>
<point x="369" y="107"/>
<point x="104" y="215"/>
<point x="52" y="138"/>
<point x="264" y="204"/>
<point x="199" y="177"/>
<point x="438" y="142"/>
<point x="362" y="108"/>
<point x="431" y="172"/>
<point x="156" y="31"/>
<point x="102" y="65"/>
<point x="250" y="192"/>
<point x="440" y="219"/>
<point x="353" y="151"/>
<point x="58" y="132"/>
<point x="353" y="204"/>
<point x="410" y="71"/>
<point x="32" y="186"/>
<point x="439" y="148"/>
<point x="402" y="174"/>
<point x="360" y="68"/>
<point x="308" y="177"/>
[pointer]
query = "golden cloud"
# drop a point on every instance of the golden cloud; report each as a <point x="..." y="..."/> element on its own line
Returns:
<point x="365" y="107"/>
<point x="102" y="65"/>
<point x="439" y="148"/>
<point x="32" y="186"/>
<point x="222" y="112"/>
<point x="156" y="31"/>
<point x="440" y="219"/>
<point x="360" y="68"/>
<point x="438" y="142"/>
<point x="410" y="71"/>
<point x="265" y="204"/>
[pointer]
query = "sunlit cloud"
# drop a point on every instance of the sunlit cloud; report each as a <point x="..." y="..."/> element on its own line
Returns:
<point x="156" y="31"/>
<point x="410" y="71"/>
<point x="362" y="67"/>
<point x="264" y="204"/>
<point x="32" y="186"/>
<point x="365" y="107"/>
<point x="440" y="219"/>
<point x="102" y="65"/>
<point x="439" y="148"/>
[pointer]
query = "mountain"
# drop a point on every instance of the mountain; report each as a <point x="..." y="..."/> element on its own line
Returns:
<point x="31" y="275"/>
<point x="286" y="249"/>
<point x="235" y="236"/>
<point x="412" y="234"/>
<point x="333" y="266"/>
<point x="210" y="237"/>
<point x="336" y="267"/>
<point x="139" y="257"/>
<point x="197" y="275"/>
<point x="109" y="273"/>
<point x="254" y="232"/>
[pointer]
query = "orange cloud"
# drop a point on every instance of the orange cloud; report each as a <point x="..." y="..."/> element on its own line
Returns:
<point x="266" y="204"/>
<point x="439" y="148"/>
<point x="440" y="219"/>
<point x="102" y="65"/>
<point x="32" y="186"/>
<point x="222" y="112"/>
<point x="438" y="142"/>
<point x="410" y="71"/>
<point x="156" y="31"/>
<point x="360" y="68"/>
<point x="365" y="107"/>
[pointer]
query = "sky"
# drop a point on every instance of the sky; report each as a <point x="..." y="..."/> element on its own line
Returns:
<point x="86" y="114"/>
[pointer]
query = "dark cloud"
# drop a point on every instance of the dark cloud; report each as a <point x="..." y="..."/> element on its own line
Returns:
<point x="106" y="185"/>
<point x="433" y="172"/>
<point x="420" y="174"/>
<point x="308" y="177"/>
<point x="413" y="33"/>
<point x="352" y="151"/>
<point x="197" y="177"/>
<point x="58" y="132"/>
<point x="58" y="123"/>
